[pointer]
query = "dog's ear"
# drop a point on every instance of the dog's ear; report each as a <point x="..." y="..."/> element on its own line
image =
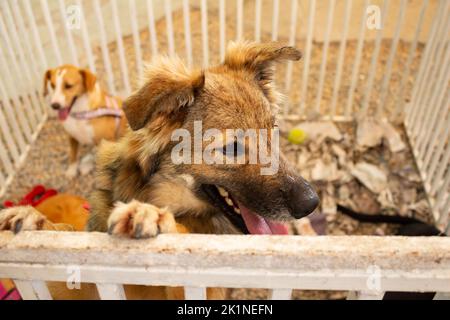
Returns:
<point x="47" y="78"/>
<point x="258" y="59"/>
<point x="168" y="88"/>
<point x="89" y="79"/>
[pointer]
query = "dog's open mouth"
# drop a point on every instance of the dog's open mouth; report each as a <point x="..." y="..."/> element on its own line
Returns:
<point x="240" y="216"/>
<point x="63" y="113"/>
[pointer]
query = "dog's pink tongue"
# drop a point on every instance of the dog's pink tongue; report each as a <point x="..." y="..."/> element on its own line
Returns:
<point x="258" y="225"/>
<point x="63" y="113"/>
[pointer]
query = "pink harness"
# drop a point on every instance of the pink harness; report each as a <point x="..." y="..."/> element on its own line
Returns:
<point x="110" y="110"/>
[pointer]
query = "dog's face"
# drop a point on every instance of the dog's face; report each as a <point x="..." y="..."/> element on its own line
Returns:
<point x="235" y="95"/>
<point x="68" y="83"/>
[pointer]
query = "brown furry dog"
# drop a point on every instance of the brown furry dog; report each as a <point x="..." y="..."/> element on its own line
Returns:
<point x="141" y="192"/>
<point x="205" y="198"/>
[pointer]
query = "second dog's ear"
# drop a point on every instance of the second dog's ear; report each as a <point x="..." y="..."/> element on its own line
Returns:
<point x="169" y="87"/>
<point x="47" y="78"/>
<point x="89" y="79"/>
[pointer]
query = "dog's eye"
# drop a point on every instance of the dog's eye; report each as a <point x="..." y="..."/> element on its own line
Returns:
<point x="68" y="86"/>
<point x="233" y="149"/>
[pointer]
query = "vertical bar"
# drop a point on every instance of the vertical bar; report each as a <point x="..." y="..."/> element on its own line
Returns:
<point x="436" y="129"/>
<point x="311" y="14"/>
<point x="123" y="64"/>
<point x="111" y="291"/>
<point x="340" y="64"/>
<point x="400" y="101"/>
<point x="7" y="164"/>
<point x="169" y="24"/>
<point x="258" y="20"/>
<point x="187" y="32"/>
<point x="240" y="19"/>
<point x="423" y="62"/>
<point x="275" y="18"/>
<point x="204" y="14"/>
<point x="26" y="290"/>
<point x="433" y="72"/>
<point x="12" y="119"/>
<point x="355" y="71"/>
<point x="387" y="74"/>
<point x="281" y="294"/>
<point x="136" y="40"/>
<point x="374" y="62"/>
<point x="104" y="47"/>
<point x="420" y="83"/>
<point x="151" y="27"/>
<point x="438" y="153"/>
<point x="31" y="58"/>
<point x="36" y="36"/>
<point x="12" y="148"/>
<point x="443" y="191"/>
<point x="222" y="29"/>
<point x="194" y="293"/>
<point x="439" y="91"/>
<point x="292" y="33"/>
<point x="86" y="41"/>
<point x="323" y="65"/>
<point x="73" y="52"/>
<point x="443" y="165"/>
<point x="26" y="129"/>
<point x="48" y="20"/>
<point x="23" y="66"/>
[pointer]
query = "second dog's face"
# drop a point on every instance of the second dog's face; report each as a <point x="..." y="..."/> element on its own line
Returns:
<point x="235" y="95"/>
<point x="68" y="83"/>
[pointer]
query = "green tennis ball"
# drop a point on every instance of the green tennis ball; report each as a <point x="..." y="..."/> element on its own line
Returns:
<point x="297" y="136"/>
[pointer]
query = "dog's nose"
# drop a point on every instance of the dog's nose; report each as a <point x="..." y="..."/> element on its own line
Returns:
<point x="56" y="106"/>
<point x="303" y="199"/>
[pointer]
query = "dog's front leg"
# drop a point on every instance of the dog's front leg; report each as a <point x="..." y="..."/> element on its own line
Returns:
<point x="72" y="170"/>
<point x="140" y="220"/>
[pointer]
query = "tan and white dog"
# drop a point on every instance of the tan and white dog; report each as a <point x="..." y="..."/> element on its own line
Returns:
<point x="87" y="112"/>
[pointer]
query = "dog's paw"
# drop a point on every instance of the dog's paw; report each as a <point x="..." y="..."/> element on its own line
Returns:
<point x="72" y="171"/>
<point x="140" y="220"/>
<point x="22" y="219"/>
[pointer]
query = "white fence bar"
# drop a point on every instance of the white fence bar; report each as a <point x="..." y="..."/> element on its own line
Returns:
<point x="169" y="26"/>
<point x="151" y="28"/>
<point x="425" y="68"/>
<point x="258" y="7"/>
<point x="187" y="32"/>
<point x="387" y="75"/>
<point x="400" y="101"/>
<point x="323" y="65"/>
<point x="436" y="178"/>
<point x="222" y="32"/>
<point x="309" y="263"/>
<point x="51" y="29"/>
<point x="292" y="34"/>
<point x="281" y="294"/>
<point x="136" y="37"/>
<point x="8" y="167"/>
<point x="111" y="291"/>
<point x="123" y="63"/>
<point x="240" y="19"/>
<point x="309" y="38"/>
<point x="86" y="40"/>
<point x="33" y="28"/>
<point x="357" y="64"/>
<point x="34" y="105"/>
<point x="195" y="293"/>
<point x="374" y="62"/>
<point x="18" y="108"/>
<point x="104" y="48"/>
<point x="69" y="37"/>
<point x="340" y="64"/>
<point x="204" y="18"/>
<point x="275" y="18"/>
